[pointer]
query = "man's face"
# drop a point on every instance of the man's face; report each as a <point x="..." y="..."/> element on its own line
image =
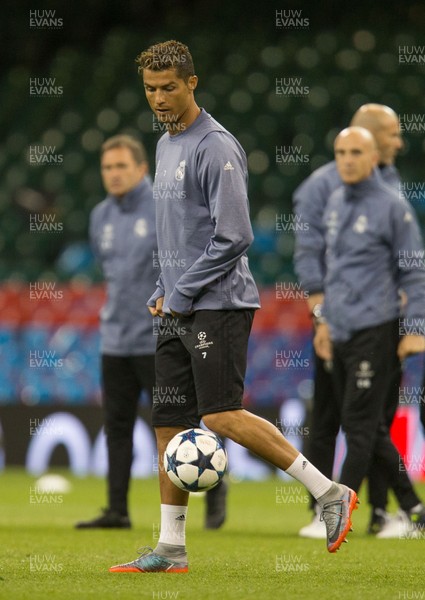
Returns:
<point x="169" y="96"/>
<point x="388" y="140"/>
<point x="120" y="172"/>
<point x="355" y="157"/>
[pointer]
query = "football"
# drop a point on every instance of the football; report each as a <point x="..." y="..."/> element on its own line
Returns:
<point x="195" y="460"/>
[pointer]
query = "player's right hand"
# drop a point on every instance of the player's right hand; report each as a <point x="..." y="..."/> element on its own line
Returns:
<point x="157" y="311"/>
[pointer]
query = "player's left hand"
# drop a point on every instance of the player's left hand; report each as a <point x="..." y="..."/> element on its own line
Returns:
<point x="157" y="310"/>
<point x="410" y="344"/>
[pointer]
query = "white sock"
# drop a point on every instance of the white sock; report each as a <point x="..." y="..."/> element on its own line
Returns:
<point x="307" y="474"/>
<point x="173" y="525"/>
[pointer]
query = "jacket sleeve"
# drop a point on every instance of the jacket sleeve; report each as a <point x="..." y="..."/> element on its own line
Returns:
<point x="309" y="201"/>
<point x="225" y="194"/>
<point x="158" y="293"/>
<point x="409" y="256"/>
<point x="93" y="239"/>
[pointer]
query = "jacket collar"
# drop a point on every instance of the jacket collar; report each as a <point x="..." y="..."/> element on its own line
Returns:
<point x="354" y="190"/>
<point x="129" y="202"/>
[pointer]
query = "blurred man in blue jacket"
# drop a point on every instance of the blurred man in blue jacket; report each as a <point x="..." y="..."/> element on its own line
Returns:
<point x="123" y="239"/>
<point x="370" y="231"/>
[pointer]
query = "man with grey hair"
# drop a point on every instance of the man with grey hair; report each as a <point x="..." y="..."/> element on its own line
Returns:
<point x="123" y="239"/>
<point x="368" y="228"/>
<point x="310" y="200"/>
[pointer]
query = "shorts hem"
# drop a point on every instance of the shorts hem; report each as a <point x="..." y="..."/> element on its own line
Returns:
<point x="212" y="410"/>
<point x="182" y="425"/>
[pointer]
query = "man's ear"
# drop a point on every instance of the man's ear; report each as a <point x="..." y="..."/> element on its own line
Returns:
<point x="143" y="169"/>
<point x="375" y="158"/>
<point x="192" y="82"/>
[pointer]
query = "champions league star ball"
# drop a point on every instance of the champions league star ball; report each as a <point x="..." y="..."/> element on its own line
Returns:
<point x="195" y="460"/>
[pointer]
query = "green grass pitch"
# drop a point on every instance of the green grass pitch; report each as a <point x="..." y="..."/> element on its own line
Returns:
<point x="256" y="555"/>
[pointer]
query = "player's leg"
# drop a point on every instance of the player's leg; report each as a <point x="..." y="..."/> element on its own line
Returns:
<point x="174" y="409"/>
<point x="161" y="395"/>
<point x="169" y="555"/>
<point x="121" y="391"/>
<point x="218" y="345"/>
<point x="262" y="438"/>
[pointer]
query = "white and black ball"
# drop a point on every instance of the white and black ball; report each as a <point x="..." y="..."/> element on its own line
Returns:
<point x="195" y="460"/>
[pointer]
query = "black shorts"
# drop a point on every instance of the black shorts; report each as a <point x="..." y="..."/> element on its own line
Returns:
<point x="200" y="365"/>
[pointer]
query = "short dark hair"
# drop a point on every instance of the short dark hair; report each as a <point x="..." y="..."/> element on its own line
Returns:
<point x="136" y="148"/>
<point x="167" y="55"/>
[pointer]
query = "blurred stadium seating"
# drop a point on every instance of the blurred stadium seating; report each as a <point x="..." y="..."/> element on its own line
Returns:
<point x="101" y="95"/>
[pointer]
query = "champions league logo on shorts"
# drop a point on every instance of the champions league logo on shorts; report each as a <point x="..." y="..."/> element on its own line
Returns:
<point x="203" y="344"/>
<point x="179" y="175"/>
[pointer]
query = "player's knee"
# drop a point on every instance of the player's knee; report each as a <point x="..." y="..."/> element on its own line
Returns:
<point x="216" y="422"/>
